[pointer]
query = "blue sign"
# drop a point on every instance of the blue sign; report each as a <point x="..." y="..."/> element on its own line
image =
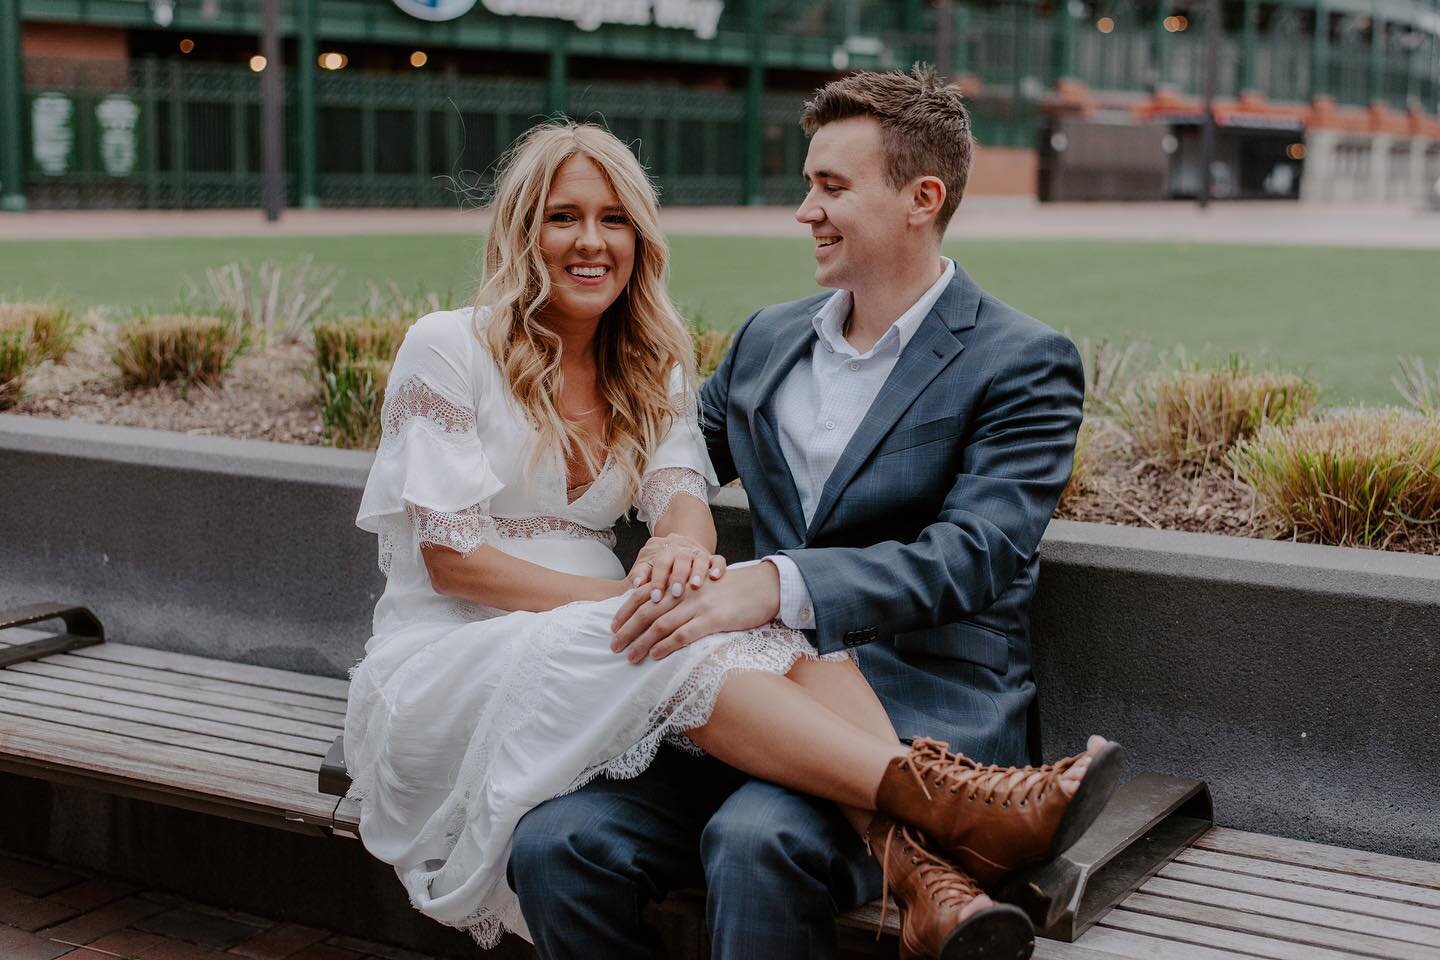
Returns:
<point x="435" y="9"/>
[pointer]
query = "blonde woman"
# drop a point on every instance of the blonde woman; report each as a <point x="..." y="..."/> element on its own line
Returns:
<point x="516" y="433"/>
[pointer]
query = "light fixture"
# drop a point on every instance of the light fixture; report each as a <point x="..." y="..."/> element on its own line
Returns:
<point x="187" y="45"/>
<point x="1181" y="22"/>
<point x="1105" y="25"/>
<point x="419" y="58"/>
<point x="1172" y="24"/>
<point x="1296" y="151"/>
<point x="257" y="63"/>
<point x="332" y="60"/>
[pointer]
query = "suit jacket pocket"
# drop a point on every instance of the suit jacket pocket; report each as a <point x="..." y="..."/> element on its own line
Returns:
<point x="962" y="640"/>
<point x="945" y="428"/>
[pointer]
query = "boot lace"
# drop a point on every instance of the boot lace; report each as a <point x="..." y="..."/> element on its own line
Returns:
<point x="945" y="885"/>
<point x="933" y="765"/>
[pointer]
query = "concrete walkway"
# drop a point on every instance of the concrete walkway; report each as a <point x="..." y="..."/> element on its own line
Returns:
<point x="1257" y="222"/>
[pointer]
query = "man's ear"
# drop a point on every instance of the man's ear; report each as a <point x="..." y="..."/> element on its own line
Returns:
<point x="927" y="196"/>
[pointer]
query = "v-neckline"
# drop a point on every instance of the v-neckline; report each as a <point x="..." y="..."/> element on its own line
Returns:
<point x="565" y="481"/>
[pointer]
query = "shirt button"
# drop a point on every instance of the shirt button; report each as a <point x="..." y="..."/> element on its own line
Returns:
<point x="854" y="365"/>
<point x="805" y="613"/>
<point x="829" y="424"/>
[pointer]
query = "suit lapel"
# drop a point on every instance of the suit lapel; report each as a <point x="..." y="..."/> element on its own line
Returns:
<point x="790" y="345"/>
<point x="932" y="348"/>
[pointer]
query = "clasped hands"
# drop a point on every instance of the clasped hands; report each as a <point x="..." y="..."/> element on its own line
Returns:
<point x="682" y="592"/>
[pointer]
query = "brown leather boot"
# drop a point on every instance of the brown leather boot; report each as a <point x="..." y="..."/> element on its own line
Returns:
<point x="931" y="894"/>
<point x="994" y="820"/>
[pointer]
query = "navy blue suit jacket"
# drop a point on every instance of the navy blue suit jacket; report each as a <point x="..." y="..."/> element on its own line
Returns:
<point x="922" y="553"/>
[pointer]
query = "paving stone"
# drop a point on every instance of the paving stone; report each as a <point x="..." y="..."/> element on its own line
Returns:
<point x="207" y="928"/>
<point x="124" y="943"/>
<point x="380" y="950"/>
<point x="107" y="919"/>
<point x="279" y="942"/>
<point x="325" y="951"/>
<point x="19" y="945"/>
<point x="179" y="950"/>
<point x="89" y="894"/>
<point x="34" y="879"/>
<point x="31" y="913"/>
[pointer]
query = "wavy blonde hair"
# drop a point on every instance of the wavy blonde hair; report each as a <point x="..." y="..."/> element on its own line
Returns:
<point x="641" y="338"/>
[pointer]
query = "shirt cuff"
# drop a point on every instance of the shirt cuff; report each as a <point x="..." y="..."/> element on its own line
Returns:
<point x="796" y="610"/>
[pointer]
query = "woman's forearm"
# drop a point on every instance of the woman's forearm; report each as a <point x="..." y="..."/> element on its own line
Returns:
<point x="496" y="579"/>
<point x="688" y="517"/>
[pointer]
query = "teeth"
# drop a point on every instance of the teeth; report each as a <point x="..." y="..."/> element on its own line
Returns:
<point x="588" y="271"/>
<point x="826" y="241"/>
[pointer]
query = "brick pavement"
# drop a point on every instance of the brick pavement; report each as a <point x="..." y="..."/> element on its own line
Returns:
<point x="47" y="912"/>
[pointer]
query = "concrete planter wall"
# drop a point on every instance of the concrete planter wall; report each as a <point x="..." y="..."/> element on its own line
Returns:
<point x="1303" y="682"/>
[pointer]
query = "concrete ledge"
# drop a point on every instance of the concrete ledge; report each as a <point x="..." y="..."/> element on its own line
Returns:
<point x="1299" y="680"/>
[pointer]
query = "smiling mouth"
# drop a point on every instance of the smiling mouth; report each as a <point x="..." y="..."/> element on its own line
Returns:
<point x="826" y="241"/>
<point x="587" y="273"/>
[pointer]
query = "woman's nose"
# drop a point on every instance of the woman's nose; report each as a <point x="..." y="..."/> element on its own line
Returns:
<point x="590" y="237"/>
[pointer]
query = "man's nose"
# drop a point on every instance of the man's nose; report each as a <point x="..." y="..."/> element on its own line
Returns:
<point x="809" y="211"/>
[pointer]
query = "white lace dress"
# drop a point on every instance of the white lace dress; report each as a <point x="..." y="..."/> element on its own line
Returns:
<point x="463" y="718"/>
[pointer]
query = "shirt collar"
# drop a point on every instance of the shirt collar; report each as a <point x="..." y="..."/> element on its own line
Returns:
<point x="829" y="322"/>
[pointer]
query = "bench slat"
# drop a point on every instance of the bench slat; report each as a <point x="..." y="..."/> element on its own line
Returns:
<point x="1327" y="879"/>
<point x="98" y="691"/>
<point x="194" y="666"/>
<point x="1220" y="938"/>
<point x="1303" y="893"/>
<point x="1290" y="910"/>
<point x="105" y="757"/>
<point x="186" y="681"/>
<point x="101" y="709"/>
<point x="1055" y="950"/>
<point x="1131" y="945"/>
<point x="1377" y="866"/>
<point x="1309" y="934"/>
<point x="143" y="733"/>
<point x="50" y="668"/>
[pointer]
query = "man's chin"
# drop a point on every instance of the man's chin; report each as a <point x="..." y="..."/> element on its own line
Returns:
<point x="827" y="275"/>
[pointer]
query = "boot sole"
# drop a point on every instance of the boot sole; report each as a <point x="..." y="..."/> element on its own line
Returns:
<point x="1002" y="932"/>
<point x="1032" y="886"/>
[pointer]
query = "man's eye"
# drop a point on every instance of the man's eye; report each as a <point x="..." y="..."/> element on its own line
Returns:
<point x="831" y="188"/>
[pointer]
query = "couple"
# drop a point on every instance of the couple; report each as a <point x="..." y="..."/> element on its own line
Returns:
<point x="544" y="743"/>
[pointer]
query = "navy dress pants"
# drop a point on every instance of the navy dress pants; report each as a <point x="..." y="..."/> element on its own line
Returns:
<point x="776" y="865"/>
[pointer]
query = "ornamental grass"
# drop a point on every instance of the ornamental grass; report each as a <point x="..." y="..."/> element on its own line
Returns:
<point x="16" y="359"/>
<point x="184" y="349"/>
<point x="1358" y="479"/>
<point x="1192" y="418"/>
<point x="51" y="329"/>
<point x="710" y="348"/>
<point x="352" y="366"/>
<point x="1419" y="387"/>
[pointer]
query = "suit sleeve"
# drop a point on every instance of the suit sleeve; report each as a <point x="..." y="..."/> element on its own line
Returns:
<point x="1016" y="462"/>
<point x="714" y="404"/>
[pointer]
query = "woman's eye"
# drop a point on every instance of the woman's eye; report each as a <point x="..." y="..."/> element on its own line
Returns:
<point x="561" y="218"/>
<point x="618" y="219"/>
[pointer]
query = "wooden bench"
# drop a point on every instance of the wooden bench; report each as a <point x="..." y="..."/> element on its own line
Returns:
<point x="247" y="742"/>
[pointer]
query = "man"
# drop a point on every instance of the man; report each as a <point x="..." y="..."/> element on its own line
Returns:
<point x="903" y="443"/>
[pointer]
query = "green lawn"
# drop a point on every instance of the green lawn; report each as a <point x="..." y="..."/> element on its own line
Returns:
<point x="1342" y="315"/>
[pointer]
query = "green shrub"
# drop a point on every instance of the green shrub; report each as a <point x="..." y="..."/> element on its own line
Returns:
<point x="50" y="327"/>
<point x="16" y="359"/>
<point x="1359" y="479"/>
<point x="1193" y="417"/>
<point x="710" y="347"/>
<point x="177" y="348"/>
<point x="352" y="365"/>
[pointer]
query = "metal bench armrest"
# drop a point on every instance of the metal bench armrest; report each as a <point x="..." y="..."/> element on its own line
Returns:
<point x="82" y="629"/>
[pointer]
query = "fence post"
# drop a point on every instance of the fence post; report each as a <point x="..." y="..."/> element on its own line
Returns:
<point x="754" y="105"/>
<point x="151" y="80"/>
<point x="557" y="99"/>
<point x="1064" y="56"/>
<point x="307" y="50"/>
<point x="1249" y="40"/>
<point x="179" y="162"/>
<point x="1375" y="81"/>
<point x="1319" y="51"/>
<point x="12" y="110"/>
<point x="1158" y="44"/>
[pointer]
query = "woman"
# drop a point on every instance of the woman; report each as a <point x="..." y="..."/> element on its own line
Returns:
<point x="515" y="435"/>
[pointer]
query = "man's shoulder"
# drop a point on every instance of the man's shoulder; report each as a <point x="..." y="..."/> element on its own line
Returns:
<point x="767" y="320"/>
<point x="997" y="319"/>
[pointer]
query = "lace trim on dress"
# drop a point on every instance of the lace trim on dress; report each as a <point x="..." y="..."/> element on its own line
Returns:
<point x="661" y="486"/>
<point x="461" y="531"/>
<point x="773" y="648"/>
<point x="415" y="398"/>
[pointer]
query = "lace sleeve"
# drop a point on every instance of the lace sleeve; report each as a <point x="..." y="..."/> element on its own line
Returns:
<point x="661" y="486"/>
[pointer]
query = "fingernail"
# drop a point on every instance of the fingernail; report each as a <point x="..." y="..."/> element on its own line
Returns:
<point x="655" y="595"/>
<point x="636" y="582"/>
<point x="715" y="572"/>
<point x="696" y="580"/>
<point x="675" y="589"/>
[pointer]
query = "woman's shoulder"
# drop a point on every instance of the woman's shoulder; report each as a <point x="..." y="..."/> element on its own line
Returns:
<point x="448" y="328"/>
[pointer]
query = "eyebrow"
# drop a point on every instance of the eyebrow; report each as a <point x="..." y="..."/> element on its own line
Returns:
<point x="826" y="175"/>
<point x="554" y="207"/>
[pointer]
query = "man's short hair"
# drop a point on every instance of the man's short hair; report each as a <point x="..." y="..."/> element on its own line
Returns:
<point x="924" y="126"/>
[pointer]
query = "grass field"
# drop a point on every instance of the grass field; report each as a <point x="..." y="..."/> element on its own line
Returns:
<point x="1340" y="315"/>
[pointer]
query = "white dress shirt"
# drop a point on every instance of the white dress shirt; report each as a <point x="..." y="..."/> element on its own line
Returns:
<point x="819" y="406"/>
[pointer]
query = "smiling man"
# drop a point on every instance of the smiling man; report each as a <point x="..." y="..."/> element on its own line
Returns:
<point x="903" y="443"/>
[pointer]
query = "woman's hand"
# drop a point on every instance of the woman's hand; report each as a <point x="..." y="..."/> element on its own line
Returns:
<point x="665" y="565"/>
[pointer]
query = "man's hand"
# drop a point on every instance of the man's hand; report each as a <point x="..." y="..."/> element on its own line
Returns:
<point x="748" y="597"/>
<point x="666" y="564"/>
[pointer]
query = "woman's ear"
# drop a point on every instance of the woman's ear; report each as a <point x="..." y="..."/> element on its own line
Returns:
<point x="927" y="196"/>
